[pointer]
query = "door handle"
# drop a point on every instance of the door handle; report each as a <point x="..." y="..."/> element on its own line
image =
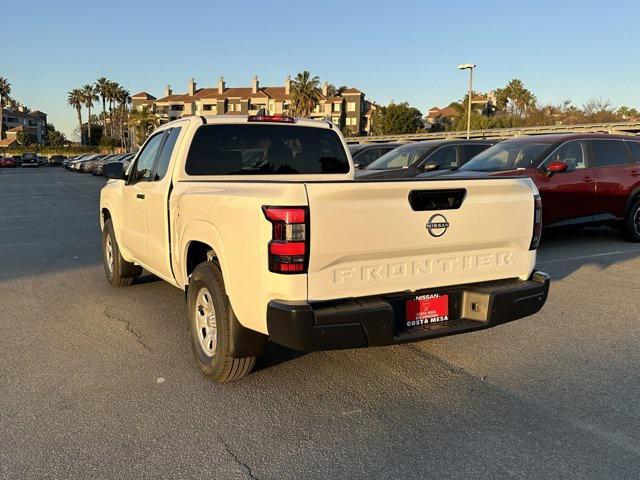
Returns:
<point x="589" y="179"/>
<point x="635" y="173"/>
<point x="140" y="196"/>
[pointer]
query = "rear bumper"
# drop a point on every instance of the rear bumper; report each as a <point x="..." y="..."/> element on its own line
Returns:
<point x="371" y="321"/>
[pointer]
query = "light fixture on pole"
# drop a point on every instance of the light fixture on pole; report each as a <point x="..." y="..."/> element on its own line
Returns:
<point x="470" y="67"/>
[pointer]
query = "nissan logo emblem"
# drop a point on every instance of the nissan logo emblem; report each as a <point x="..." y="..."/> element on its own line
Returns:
<point x="437" y="225"/>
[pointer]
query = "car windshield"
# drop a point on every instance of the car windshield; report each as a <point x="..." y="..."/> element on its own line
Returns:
<point x="401" y="157"/>
<point x="509" y="155"/>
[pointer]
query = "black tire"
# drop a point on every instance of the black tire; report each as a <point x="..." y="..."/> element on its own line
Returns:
<point x="119" y="272"/>
<point x="217" y="364"/>
<point x="632" y="223"/>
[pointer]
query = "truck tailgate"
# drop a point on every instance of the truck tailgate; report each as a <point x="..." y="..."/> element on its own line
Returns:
<point x="367" y="239"/>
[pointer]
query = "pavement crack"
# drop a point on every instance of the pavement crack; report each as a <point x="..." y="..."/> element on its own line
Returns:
<point x="127" y="325"/>
<point x="236" y="459"/>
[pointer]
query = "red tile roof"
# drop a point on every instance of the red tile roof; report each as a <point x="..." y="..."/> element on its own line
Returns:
<point x="144" y="95"/>
<point x="7" y="142"/>
<point x="351" y="90"/>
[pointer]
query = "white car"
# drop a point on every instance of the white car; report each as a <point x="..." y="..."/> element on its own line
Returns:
<point x="260" y="221"/>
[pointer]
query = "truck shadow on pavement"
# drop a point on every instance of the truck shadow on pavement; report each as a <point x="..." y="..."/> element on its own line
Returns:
<point x="565" y="251"/>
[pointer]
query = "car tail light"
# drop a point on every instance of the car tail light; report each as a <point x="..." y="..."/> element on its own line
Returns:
<point x="271" y="118"/>
<point x="537" y="222"/>
<point x="289" y="245"/>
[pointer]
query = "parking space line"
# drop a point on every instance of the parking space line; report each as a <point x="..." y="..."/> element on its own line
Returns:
<point x="586" y="257"/>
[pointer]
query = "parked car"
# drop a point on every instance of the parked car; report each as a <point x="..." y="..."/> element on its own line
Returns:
<point x="18" y="160"/>
<point x="42" y="161"/>
<point x="30" y="160"/>
<point x="99" y="167"/>
<point x="365" y="153"/>
<point x="56" y="160"/>
<point x="583" y="179"/>
<point x="412" y="159"/>
<point x="258" y="220"/>
<point x="7" y="162"/>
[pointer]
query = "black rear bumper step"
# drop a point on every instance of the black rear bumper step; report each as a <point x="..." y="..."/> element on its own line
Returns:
<point x="372" y="321"/>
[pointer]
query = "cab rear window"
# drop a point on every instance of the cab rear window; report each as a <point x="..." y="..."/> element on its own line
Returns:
<point x="265" y="150"/>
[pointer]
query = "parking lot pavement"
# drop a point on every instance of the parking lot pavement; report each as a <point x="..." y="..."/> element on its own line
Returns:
<point x="98" y="382"/>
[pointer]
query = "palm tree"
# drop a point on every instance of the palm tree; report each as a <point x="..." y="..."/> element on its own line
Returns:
<point x="102" y="86"/>
<point x="112" y="91"/>
<point x="90" y="95"/>
<point x="5" y="90"/>
<point x="143" y="122"/>
<point x="75" y="98"/>
<point x="305" y="93"/>
<point x="124" y="99"/>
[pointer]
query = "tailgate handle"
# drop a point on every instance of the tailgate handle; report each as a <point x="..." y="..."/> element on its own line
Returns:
<point x="425" y="200"/>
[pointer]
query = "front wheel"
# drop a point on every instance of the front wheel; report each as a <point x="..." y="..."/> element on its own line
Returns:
<point x="632" y="222"/>
<point x="210" y="326"/>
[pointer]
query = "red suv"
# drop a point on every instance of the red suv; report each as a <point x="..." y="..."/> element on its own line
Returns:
<point x="583" y="178"/>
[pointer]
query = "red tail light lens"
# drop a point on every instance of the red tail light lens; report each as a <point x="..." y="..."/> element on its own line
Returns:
<point x="271" y="118"/>
<point x="289" y="245"/>
<point x="537" y="222"/>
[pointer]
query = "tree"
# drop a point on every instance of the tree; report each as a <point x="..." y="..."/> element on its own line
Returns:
<point x="54" y="138"/>
<point x="628" y="113"/>
<point x="143" y="121"/>
<point x="396" y="118"/>
<point x="75" y="98"/>
<point x="333" y="91"/>
<point x="305" y="94"/>
<point x="5" y="91"/>
<point x="89" y="93"/>
<point x="515" y="98"/>
<point x="24" y="138"/>
<point x="102" y="87"/>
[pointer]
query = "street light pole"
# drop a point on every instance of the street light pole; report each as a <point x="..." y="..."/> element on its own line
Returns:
<point x="470" y="67"/>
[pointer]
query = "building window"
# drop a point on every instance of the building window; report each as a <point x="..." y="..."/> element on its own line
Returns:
<point x="351" y="106"/>
<point x="177" y="108"/>
<point x="336" y="107"/>
<point x="256" y="106"/>
<point x="336" y="120"/>
<point x="350" y="121"/>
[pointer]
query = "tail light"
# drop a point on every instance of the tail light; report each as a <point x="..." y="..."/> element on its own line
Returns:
<point x="271" y="118"/>
<point x="289" y="245"/>
<point x="537" y="222"/>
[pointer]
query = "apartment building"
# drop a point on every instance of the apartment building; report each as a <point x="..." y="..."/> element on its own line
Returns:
<point x="349" y="110"/>
<point x="19" y="120"/>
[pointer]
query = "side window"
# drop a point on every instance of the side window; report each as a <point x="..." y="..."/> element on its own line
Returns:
<point x="368" y="156"/>
<point x="571" y="153"/>
<point x="607" y="153"/>
<point x="141" y="170"/>
<point x="635" y="151"/>
<point x="165" y="154"/>
<point x="471" y="150"/>
<point x="444" y="157"/>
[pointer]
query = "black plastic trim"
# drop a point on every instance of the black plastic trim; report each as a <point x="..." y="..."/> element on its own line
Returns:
<point x="371" y="321"/>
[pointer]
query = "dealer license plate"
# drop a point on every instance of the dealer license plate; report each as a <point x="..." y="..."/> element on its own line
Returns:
<point x="426" y="310"/>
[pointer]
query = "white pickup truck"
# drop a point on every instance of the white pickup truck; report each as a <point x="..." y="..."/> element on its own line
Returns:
<point x="260" y="221"/>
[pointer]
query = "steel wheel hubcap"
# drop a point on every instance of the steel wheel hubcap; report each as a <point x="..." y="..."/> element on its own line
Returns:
<point x="109" y="253"/>
<point x="636" y="219"/>
<point x="206" y="325"/>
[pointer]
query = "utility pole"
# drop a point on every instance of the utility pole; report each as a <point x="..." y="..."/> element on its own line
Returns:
<point x="470" y="67"/>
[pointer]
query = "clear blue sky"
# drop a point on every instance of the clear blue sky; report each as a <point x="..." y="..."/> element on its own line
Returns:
<point x="392" y="50"/>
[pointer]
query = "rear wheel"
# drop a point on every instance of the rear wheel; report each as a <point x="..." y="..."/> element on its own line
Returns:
<point x="632" y="223"/>
<point x="210" y="326"/>
<point x="119" y="272"/>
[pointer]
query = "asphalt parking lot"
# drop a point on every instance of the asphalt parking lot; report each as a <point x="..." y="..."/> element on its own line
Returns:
<point x="98" y="382"/>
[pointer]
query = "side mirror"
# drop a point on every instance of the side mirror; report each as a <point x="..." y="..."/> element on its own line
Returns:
<point x="557" y="167"/>
<point x="114" y="170"/>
